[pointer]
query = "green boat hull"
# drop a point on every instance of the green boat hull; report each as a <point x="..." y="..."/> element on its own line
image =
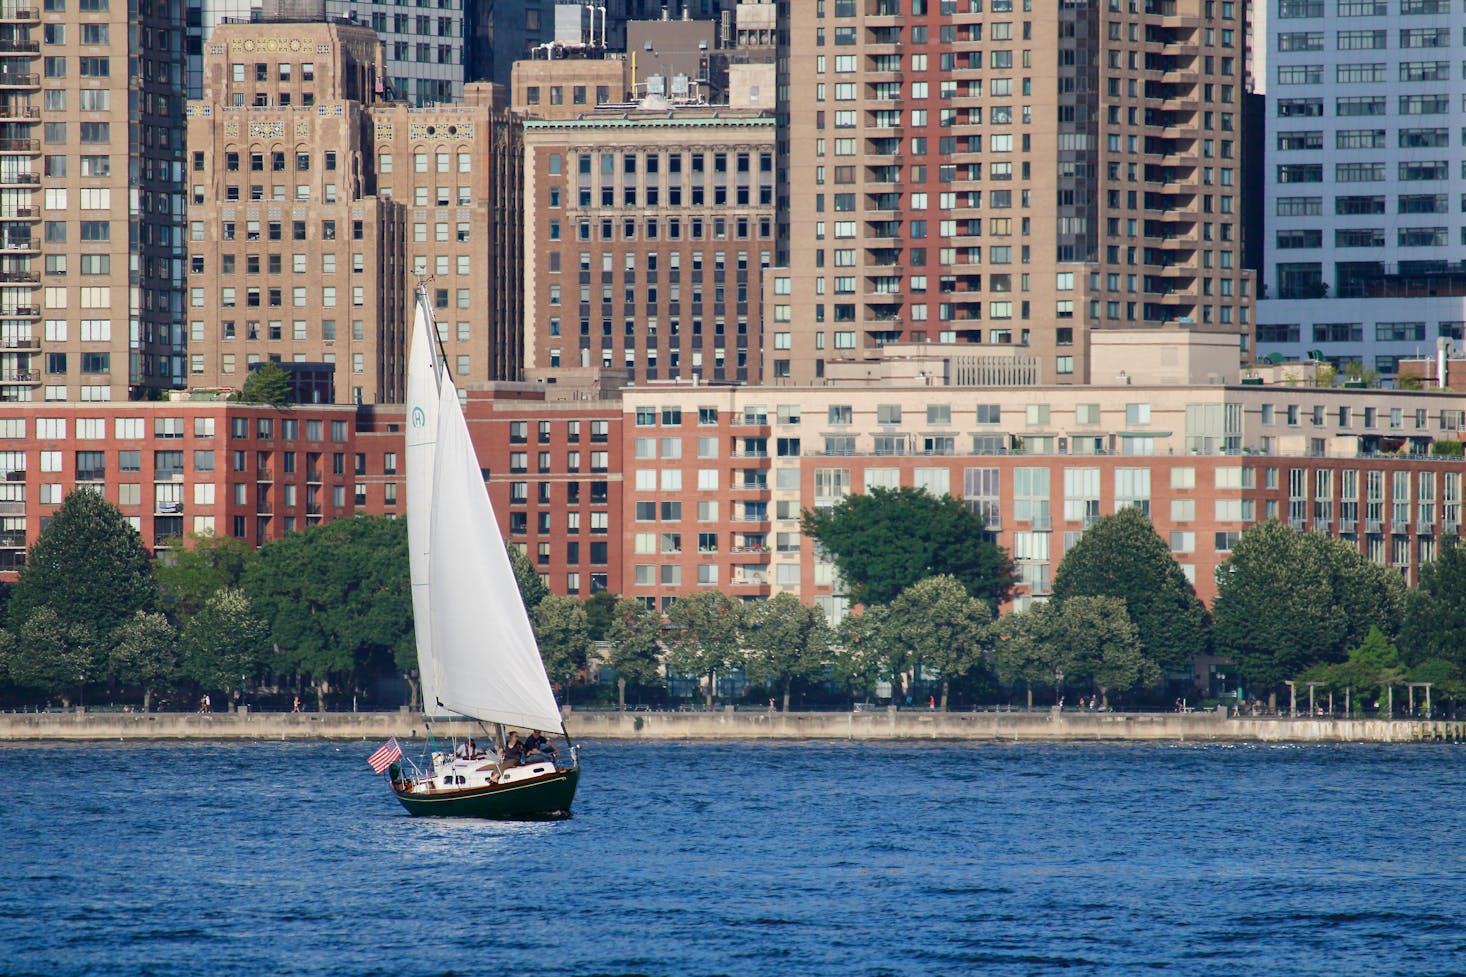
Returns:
<point x="545" y="797"/>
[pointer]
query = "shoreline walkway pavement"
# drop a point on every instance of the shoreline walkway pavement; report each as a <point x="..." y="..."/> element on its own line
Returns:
<point x="873" y="725"/>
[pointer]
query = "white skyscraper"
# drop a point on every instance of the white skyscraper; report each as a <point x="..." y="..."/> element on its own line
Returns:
<point x="1365" y="209"/>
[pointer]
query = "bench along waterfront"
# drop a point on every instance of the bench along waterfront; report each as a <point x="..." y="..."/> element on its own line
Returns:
<point x="727" y="724"/>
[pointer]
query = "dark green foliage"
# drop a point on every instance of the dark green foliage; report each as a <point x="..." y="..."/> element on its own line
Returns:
<point x="50" y="656"/>
<point x="867" y="654"/>
<point x="1446" y="677"/>
<point x="1287" y="600"/>
<point x="1366" y="671"/>
<point x="1090" y="641"/>
<point x="188" y="575"/>
<point x="888" y="539"/>
<point x="532" y="587"/>
<point x="564" y="639"/>
<point x="339" y="600"/>
<point x="635" y="651"/>
<point x="89" y="566"/>
<point x="600" y="611"/>
<point x="941" y="628"/>
<point x="703" y="634"/>
<point x="266" y="384"/>
<point x="1435" y="611"/>
<point x="145" y="653"/>
<point x="784" y="640"/>
<point x="1121" y="556"/>
<point x="225" y="643"/>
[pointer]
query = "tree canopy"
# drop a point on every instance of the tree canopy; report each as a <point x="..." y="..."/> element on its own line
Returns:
<point x="225" y="643"/>
<point x="1122" y="556"/>
<point x="532" y="587"/>
<point x="635" y="651"/>
<point x="188" y="575"/>
<point x="886" y="540"/>
<point x="868" y="654"/>
<point x="941" y="628"/>
<point x="145" y="653"/>
<point x="1287" y="600"/>
<point x="88" y="565"/>
<point x="268" y="383"/>
<point x="51" y="656"/>
<point x="703" y="636"/>
<point x="564" y="637"/>
<point x="785" y="641"/>
<point x="1089" y="642"/>
<point x="1434" y="623"/>
<point x="338" y="599"/>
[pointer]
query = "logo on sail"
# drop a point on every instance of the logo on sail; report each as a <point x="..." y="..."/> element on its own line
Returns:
<point x="419" y="419"/>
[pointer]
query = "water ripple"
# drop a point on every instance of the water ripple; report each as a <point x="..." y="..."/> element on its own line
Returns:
<point x="700" y="860"/>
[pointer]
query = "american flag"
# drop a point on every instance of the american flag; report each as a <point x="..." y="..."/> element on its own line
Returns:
<point x="384" y="757"/>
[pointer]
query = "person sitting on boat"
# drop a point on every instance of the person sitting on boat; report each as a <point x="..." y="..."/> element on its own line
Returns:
<point x="536" y="743"/>
<point x="513" y="749"/>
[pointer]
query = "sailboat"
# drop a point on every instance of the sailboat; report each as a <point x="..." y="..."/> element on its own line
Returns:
<point x="477" y="655"/>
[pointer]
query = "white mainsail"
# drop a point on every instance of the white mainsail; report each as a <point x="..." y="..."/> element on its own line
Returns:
<point x="422" y="438"/>
<point x="488" y="665"/>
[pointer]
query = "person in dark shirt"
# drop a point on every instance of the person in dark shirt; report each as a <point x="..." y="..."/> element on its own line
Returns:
<point x="536" y="743"/>
<point x="513" y="749"/>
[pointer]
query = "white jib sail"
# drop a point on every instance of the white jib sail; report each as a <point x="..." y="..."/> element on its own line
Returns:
<point x="489" y="666"/>
<point x="422" y="439"/>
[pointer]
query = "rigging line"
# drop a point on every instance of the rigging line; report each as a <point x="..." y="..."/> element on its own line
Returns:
<point x="440" y="360"/>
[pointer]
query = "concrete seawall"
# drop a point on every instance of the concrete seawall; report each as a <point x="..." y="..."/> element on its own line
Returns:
<point x="727" y="725"/>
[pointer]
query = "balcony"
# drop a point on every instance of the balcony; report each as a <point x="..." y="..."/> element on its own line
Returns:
<point x="30" y="146"/>
<point x="18" y="13"/>
<point x="16" y="79"/>
<point x="29" y="377"/>
<point x="10" y="45"/>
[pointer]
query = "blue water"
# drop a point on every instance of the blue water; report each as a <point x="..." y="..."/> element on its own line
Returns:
<point x="743" y="859"/>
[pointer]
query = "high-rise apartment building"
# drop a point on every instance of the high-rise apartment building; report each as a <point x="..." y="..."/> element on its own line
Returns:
<point x="1364" y="260"/>
<point x="91" y="209"/>
<point x="424" y="43"/>
<point x="970" y="172"/>
<point x="647" y="231"/>
<point x="454" y="170"/>
<point x="290" y="255"/>
<point x="315" y="210"/>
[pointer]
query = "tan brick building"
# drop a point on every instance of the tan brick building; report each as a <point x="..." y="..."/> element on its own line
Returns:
<point x="646" y="235"/>
<point x="91" y="149"/>
<point x="979" y="173"/>
<point x="315" y="210"/>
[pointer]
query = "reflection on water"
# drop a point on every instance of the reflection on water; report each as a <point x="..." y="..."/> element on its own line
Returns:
<point x="744" y="859"/>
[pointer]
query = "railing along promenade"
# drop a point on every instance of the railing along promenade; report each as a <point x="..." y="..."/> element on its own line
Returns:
<point x="875" y="725"/>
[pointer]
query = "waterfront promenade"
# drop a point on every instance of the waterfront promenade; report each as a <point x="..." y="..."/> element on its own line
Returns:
<point x="873" y="725"/>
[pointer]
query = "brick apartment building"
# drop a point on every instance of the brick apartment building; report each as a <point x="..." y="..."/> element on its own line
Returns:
<point x="315" y="210"/>
<point x="980" y="173"/>
<point x="678" y="487"/>
<point x="91" y="217"/>
<point x="179" y="467"/>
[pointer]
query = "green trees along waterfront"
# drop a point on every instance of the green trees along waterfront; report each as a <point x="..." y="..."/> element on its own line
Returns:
<point x="325" y="614"/>
<point x="325" y="611"/>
